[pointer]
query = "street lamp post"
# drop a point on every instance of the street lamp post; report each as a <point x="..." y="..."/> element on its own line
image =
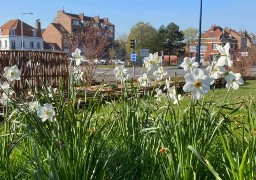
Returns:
<point x="141" y="30"/>
<point x="198" y="57"/>
<point x="22" y="43"/>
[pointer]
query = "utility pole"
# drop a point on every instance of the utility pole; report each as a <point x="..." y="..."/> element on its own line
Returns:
<point x="198" y="57"/>
<point x="133" y="45"/>
<point x="22" y="43"/>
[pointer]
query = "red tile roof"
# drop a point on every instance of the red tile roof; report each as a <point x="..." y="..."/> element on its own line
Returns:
<point x="16" y="24"/>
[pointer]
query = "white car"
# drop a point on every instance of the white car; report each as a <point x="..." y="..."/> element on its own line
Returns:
<point x="103" y="61"/>
<point x="119" y="62"/>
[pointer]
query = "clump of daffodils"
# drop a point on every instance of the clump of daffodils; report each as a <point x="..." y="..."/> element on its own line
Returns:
<point x="45" y="112"/>
<point x="198" y="83"/>
<point x="189" y="64"/>
<point x="121" y="73"/>
<point x="153" y="63"/>
<point x="10" y="74"/>
<point x="76" y="69"/>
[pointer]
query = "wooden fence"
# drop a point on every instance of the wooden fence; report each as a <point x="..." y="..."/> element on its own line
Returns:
<point x="37" y="67"/>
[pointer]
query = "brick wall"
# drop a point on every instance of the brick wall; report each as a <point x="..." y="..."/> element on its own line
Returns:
<point x="52" y="35"/>
<point x="64" y="20"/>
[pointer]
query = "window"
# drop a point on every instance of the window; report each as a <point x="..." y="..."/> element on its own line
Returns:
<point x="38" y="45"/>
<point x="214" y="46"/>
<point x="0" y="32"/>
<point x="34" y="32"/>
<point x="13" y="46"/>
<point x="244" y="43"/>
<point x="22" y="44"/>
<point x="65" y="45"/>
<point x="12" y="31"/>
<point x="5" y="42"/>
<point x="31" y="44"/>
<point x="75" y="22"/>
<point x="111" y="28"/>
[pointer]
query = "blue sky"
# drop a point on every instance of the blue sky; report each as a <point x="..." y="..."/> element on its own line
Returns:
<point x="237" y="14"/>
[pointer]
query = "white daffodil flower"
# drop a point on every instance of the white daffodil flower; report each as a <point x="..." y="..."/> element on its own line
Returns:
<point x="78" y="74"/>
<point x="6" y="88"/>
<point x="167" y="84"/>
<point x="189" y="64"/>
<point x="159" y="94"/>
<point x="34" y="105"/>
<point x="172" y="92"/>
<point x="159" y="74"/>
<point x="143" y="80"/>
<point x="51" y="91"/>
<point x="177" y="99"/>
<point x="215" y="71"/>
<point x="152" y="61"/>
<point x="77" y="56"/>
<point x="12" y="73"/>
<point x="233" y="80"/>
<point x="121" y="73"/>
<point x="46" y="112"/>
<point x="4" y="99"/>
<point x="197" y="83"/>
<point x="225" y="57"/>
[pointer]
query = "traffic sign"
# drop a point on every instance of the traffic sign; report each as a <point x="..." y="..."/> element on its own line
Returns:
<point x="144" y="52"/>
<point x="133" y="57"/>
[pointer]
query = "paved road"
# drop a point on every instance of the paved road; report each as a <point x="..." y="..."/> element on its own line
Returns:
<point x="108" y="74"/>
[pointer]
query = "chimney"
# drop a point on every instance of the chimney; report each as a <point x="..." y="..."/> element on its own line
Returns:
<point x="213" y="28"/>
<point x="97" y="19"/>
<point x="60" y="12"/>
<point x="81" y="16"/>
<point x="251" y="35"/>
<point x="38" y="25"/>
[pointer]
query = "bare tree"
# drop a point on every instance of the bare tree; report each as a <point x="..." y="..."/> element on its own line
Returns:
<point x="244" y="61"/>
<point x="93" y="41"/>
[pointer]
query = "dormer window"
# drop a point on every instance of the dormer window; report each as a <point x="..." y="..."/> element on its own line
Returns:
<point x="34" y="32"/>
<point x="12" y="32"/>
<point x="75" y="22"/>
<point x="111" y="28"/>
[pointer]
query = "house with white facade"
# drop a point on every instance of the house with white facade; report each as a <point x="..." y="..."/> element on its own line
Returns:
<point x="17" y="35"/>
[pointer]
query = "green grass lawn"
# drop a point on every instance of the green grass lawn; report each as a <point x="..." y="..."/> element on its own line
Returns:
<point x="133" y="138"/>
<point x="245" y="92"/>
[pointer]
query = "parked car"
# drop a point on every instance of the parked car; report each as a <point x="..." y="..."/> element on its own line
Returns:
<point x="180" y="61"/>
<point x="103" y="61"/>
<point x="96" y="61"/>
<point x="119" y="62"/>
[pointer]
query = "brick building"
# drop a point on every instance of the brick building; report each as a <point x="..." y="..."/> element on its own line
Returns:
<point x="213" y="37"/>
<point x="67" y="23"/>
<point x="244" y="41"/>
<point x="216" y="35"/>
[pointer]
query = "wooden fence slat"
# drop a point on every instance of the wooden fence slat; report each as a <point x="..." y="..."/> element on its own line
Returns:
<point x="46" y="68"/>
